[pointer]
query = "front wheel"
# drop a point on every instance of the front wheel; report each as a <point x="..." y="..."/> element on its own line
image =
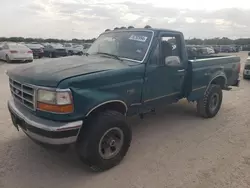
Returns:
<point x="7" y="59"/>
<point x="104" y="141"/>
<point x="210" y="104"/>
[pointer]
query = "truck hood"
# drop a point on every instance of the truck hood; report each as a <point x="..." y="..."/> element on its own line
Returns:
<point x="50" y="72"/>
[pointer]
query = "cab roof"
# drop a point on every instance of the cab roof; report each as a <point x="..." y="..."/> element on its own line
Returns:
<point x="155" y="30"/>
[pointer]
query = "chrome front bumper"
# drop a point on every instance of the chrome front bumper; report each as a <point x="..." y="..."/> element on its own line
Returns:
<point x="43" y="130"/>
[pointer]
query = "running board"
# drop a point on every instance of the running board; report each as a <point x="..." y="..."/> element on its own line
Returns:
<point x="152" y="111"/>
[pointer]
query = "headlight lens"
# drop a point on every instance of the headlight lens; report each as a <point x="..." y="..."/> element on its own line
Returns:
<point x="46" y="96"/>
<point x="59" y="101"/>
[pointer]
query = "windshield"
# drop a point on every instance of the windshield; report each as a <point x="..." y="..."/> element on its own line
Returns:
<point x="131" y="45"/>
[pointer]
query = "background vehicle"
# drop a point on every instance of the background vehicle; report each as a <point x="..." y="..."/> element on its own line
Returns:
<point x="37" y="49"/>
<point x="15" y="52"/>
<point x="246" y="72"/>
<point x="78" y="49"/>
<point x="86" y="46"/>
<point x="85" y="100"/>
<point x="54" y="50"/>
<point x="216" y="49"/>
<point x="238" y="48"/>
<point x="69" y="47"/>
<point x="209" y="50"/>
<point x="227" y="49"/>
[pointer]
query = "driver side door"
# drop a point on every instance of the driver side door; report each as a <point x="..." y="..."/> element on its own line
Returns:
<point x="163" y="83"/>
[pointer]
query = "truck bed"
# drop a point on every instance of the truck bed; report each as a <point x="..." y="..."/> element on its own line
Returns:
<point x="206" y="68"/>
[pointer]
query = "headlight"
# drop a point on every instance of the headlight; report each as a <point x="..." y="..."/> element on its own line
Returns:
<point x="46" y="96"/>
<point x="59" y="101"/>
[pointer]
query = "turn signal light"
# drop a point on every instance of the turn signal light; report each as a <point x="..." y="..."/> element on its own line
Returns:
<point x="55" y="108"/>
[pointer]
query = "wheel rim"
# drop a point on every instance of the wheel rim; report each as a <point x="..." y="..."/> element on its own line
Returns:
<point x="111" y="143"/>
<point x="214" y="101"/>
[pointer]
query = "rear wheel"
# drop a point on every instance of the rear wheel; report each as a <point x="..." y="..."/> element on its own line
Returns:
<point x="104" y="141"/>
<point x="210" y="104"/>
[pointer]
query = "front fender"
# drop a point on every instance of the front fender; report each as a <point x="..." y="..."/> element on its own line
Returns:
<point x="88" y="99"/>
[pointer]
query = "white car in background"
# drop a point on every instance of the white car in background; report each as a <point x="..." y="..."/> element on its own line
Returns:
<point x="10" y="52"/>
<point x="246" y="71"/>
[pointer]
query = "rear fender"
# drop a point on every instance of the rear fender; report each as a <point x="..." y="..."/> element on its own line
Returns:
<point x="215" y="78"/>
<point x="219" y="78"/>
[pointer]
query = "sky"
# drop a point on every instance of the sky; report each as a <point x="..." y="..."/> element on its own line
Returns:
<point x="67" y="19"/>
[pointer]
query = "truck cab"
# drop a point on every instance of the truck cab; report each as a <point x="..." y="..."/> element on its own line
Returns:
<point x="85" y="100"/>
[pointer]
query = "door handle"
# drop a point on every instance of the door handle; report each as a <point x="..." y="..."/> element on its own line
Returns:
<point x="181" y="70"/>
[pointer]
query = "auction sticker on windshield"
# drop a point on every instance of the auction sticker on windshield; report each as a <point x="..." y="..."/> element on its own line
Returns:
<point x="138" y="38"/>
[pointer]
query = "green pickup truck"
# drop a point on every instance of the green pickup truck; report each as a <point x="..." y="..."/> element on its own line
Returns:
<point x="85" y="99"/>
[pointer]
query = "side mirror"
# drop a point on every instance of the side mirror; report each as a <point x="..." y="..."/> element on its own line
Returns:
<point x="173" y="61"/>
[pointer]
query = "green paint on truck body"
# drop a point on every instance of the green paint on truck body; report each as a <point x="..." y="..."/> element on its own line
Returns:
<point x="137" y="84"/>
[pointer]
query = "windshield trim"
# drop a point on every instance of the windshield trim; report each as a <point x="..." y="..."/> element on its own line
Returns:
<point x="149" y="45"/>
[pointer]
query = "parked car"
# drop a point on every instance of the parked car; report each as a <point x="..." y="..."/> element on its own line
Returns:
<point x="209" y="50"/>
<point x="54" y="50"/>
<point x="238" y="48"/>
<point x="37" y="49"/>
<point x="78" y="49"/>
<point x="227" y="49"/>
<point x="86" y="46"/>
<point x="85" y="100"/>
<point x="216" y="49"/>
<point x="69" y="48"/>
<point x="203" y="50"/>
<point x="15" y="52"/>
<point x="246" y="71"/>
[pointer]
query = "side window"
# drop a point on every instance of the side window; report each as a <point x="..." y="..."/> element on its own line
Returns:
<point x="170" y="46"/>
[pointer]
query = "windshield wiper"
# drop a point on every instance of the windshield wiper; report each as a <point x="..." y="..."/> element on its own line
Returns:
<point x="112" y="55"/>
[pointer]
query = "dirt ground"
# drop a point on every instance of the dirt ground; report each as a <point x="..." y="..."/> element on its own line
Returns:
<point x="172" y="149"/>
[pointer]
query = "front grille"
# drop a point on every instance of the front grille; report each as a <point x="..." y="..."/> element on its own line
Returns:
<point x="247" y="67"/>
<point x="23" y="93"/>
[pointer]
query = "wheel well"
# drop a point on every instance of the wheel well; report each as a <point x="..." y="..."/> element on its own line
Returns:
<point x="115" y="106"/>
<point x="221" y="81"/>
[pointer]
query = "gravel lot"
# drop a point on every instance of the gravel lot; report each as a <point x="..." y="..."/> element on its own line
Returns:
<point x="173" y="148"/>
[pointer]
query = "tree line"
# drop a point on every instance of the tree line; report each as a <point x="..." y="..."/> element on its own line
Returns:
<point x="190" y="41"/>
<point x="40" y="40"/>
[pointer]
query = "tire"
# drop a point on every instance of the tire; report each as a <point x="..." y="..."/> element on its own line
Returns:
<point x="91" y="142"/>
<point x="7" y="59"/>
<point x="244" y="77"/>
<point x="51" y="55"/>
<point x="204" y="107"/>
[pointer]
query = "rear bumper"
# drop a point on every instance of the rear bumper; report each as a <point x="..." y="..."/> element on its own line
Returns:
<point x="43" y="130"/>
<point x="21" y="57"/>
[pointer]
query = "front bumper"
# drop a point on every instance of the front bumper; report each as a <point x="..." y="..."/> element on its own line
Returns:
<point x="43" y="130"/>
